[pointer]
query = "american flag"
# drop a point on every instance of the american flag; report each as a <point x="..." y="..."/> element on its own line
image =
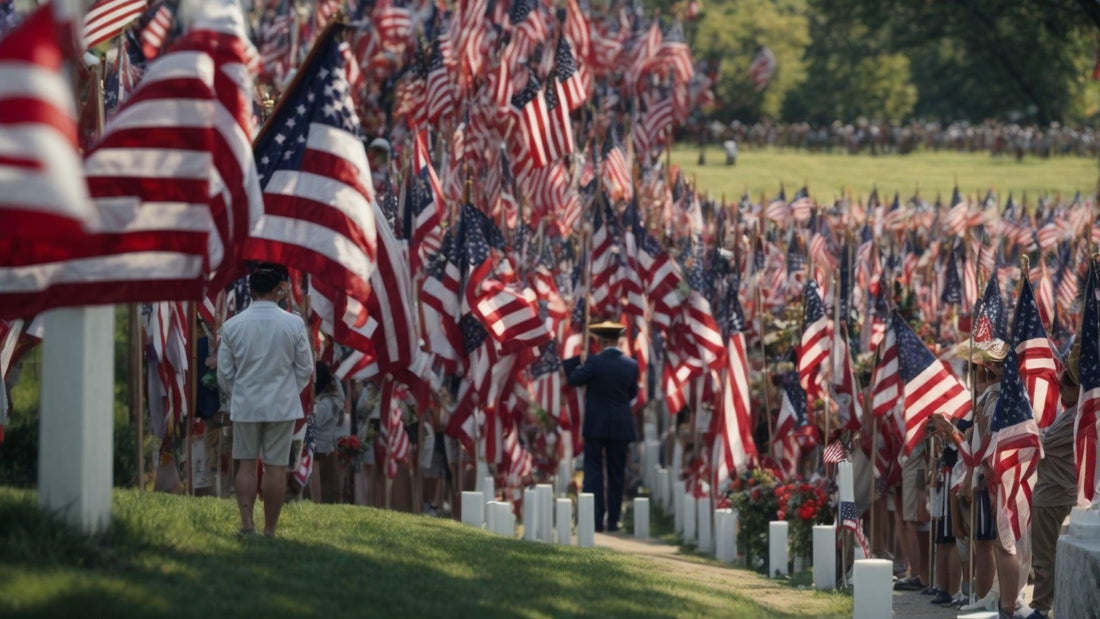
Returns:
<point x="317" y="182"/>
<point x="952" y="287"/>
<point x="275" y="40"/>
<point x="397" y="439"/>
<point x="422" y="207"/>
<point x="577" y="29"/>
<point x="546" y="381"/>
<point x="393" y="21"/>
<point x="531" y="130"/>
<point x="305" y="454"/>
<point x="802" y="206"/>
<point x="844" y="380"/>
<point x="792" y="412"/>
<point x="441" y="97"/>
<point x="885" y="382"/>
<point x="956" y="219"/>
<point x="1015" y="450"/>
<point x="570" y="76"/>
<point x="930" y="388"/>
<point x="735" y="449"/>
<point x="106" y="19"/>
<point x="849" y="519"/>
<point x="172" y="228"/>
<point x="674" y="50"/>
<point x="762" y="68"/>
<point x="155" y="33"/>
<point x="1038" y="367"/>
<point x="559" y="136"/>
<point x="814" y="349"/>
<point x="834" y="453"/>
<point x="616" y="175"/>
<point x="991" y="320"/>
<point x="510" y="317"/>
<point x="45" y="196"/>
<point x="607" y="262"/>
<point x="1087" y="426"/>
<point x="646" y="46"/>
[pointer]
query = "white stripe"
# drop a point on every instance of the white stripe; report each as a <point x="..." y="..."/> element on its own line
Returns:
<point x="165" y="114"/>
<point x="20" y="79"/>
<point x="131" y="267"/>
<point x="324" y="190"/>
<point x="344" y="145"/>
<point x="320" y="239"/>
<point x="149" y="163"/>
<point x="56" y="189"/>
<point x="940" y="387"/>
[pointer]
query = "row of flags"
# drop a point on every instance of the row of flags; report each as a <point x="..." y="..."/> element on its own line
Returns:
<point x="461" y="271"/>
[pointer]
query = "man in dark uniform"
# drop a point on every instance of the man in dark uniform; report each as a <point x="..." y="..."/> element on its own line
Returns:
<point x="612" y="380"/>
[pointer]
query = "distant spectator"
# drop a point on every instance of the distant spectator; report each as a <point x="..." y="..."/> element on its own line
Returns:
<point x="730" y="147"/>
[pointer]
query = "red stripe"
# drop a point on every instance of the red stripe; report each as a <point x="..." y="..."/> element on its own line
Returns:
<point x="307" y="260"/>
<point x="29" y="110"/>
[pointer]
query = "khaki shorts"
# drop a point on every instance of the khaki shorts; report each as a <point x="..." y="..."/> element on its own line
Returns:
<point x="265" y="440"/>
<point x="913" y="482"/>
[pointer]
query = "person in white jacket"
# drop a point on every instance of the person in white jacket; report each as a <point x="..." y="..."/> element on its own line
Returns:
<point x="264" y="363"/>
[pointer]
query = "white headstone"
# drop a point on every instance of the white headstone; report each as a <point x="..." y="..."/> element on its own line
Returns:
<point x="704" y="513"/>
<point x="777" y="548"/>
<point x="545" y="519"/>
<point x="473" y="506"/>
<point x="825" y="557"/>
<point x="586" y="520"/>
<point x="723" y="535"/>
<point x="488" y="486"/>
<point x="872" y="590"/>
<point x="76" y="427"/>
<point x="491" y="517"/>
<point x="735" y="527"/>
<point x="690" y="519"/>
<point x="641" y="518"/>
<point x="652" y="461"/>
<point x="565" y="521"/>
<point x="530" y="515"/>
<point x="678" y="505"/>
<point x="660" y="493"/>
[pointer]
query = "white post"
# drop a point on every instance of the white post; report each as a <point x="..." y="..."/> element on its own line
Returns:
<point x="723" y="548"/>
<point x="871" y="589"/>
<point x="690" y="520"/>
<point x="586" y="520"/>
<point x="660" y="492"/>
<point x="565" y="521"/>
<point x="507" y="521"/>
<point x="545" y="493"/>
<point x="488" y="486"/>
<point x="735" y="527"/>
<point x="669" y="500"/>
<point x="652" y="460"/>
<point x="678" y="505"/>
<point x="704" y="512"/>
<point x="530" y="515"/>
<point x="825" y="557"/>
<point x="76" y="429"/>
<point x="473" y="508"/>
<point x="641" y="518"/>
<point x="777" y="549"/>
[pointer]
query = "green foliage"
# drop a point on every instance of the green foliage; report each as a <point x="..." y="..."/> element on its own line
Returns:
<point x="175" y="556"/>
<point x="730" y="32"/>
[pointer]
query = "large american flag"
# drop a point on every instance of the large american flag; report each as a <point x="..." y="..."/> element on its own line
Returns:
<point x="1038" y="367"/>
<point x="930" y="388"/>
<point x="440" y="89"/>
<point x="316" y="180"/>
<point x="735" y="449"/>
<point x="166" y="177"/>
<point x="569" y="75"/>
<point x="1087" y="425"/>
<point x="816" y="334"/>
<point x="532" y="123"/>
<point x="106" y="19"/>
<point x="45" y="196"/>
<point x="1014" y="449"/>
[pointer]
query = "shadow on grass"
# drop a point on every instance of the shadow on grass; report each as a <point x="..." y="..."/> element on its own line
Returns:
<point x="173" y="556"/>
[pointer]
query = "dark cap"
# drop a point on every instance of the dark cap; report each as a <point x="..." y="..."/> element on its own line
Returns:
<point x="267" y="276"/>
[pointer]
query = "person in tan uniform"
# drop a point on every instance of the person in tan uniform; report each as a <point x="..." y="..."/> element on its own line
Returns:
<point x="1056" y="490"/>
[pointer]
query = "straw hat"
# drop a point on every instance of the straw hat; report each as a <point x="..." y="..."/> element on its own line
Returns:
<point x="988" y="352"/>
<point x="607" y="329"/>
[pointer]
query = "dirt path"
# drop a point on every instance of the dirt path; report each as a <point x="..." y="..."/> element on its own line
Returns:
<point x="769" y="594"/>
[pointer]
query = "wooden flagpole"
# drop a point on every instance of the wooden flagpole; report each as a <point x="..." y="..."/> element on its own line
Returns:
<point x="192" y="391"/>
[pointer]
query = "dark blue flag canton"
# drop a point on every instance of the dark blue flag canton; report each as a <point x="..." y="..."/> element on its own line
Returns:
<point x="478" y="234"/>
<point x="913" y="356"/>
<point x="309" y="442"/>
<point x="520" y="10"/>
<point x="1090" y="336"/>
<point x="418" y="197"/>
<point x="650" y="245"/>
<point x="1014" y="406"/>
<point x="814" y="309"/>
<point x="797" y="397"/>
<point x="387" y="201"/>
<point x="473" y="334"/>
<point x="547" y="362"/>
<point x="437" y="266"/>
<point x="322" y="97"/>
<point x="564" y="64"/>
<point x="9" y="19"/>
<point x="529" y="93"/>
<point x="796" y="258"/>
<point x="435" y="61"/>
<point x="952" y="286"/>
<point x="848" y="512"/>
<point x="992" y="318"/>
<point x="733" y="317"/>
<point x="1028" y="325"/>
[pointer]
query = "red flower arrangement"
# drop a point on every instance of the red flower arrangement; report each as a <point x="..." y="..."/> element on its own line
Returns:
<point x="349" y="448"/>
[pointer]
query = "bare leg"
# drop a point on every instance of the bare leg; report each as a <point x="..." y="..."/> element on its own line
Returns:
<point x="984" y="567"/>
<point x="246" y="492"/>
<point x="1008" y="573"/>
<point x="274" y="494"/>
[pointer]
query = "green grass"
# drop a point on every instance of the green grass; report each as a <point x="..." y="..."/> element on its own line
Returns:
<point x="761" y="171"/>
<point x="178" y="556"/>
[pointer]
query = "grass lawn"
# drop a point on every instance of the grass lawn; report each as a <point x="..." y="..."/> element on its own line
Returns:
<point x="177" y="556"/>
<point x="761" y="171"/>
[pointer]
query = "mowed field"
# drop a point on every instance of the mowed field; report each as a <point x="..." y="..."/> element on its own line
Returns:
<point x="761" y="172"/>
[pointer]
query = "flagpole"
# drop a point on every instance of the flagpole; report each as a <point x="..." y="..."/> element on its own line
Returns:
<point x="136" y="388"/>
<point x="973" y="409"/>
<point x="764" y="369"/>
<point x="192" y="391"/>
<point x="869" y="410"/>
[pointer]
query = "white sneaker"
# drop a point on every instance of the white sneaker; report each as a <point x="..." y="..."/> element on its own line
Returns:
<point x="989" y="602"/>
